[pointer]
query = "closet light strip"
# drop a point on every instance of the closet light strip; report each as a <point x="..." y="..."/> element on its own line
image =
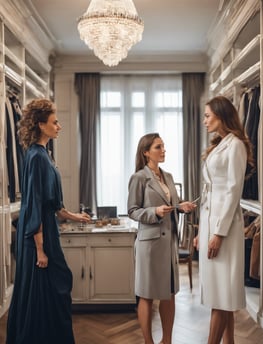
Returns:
<point x="34" y="90"/>
<point x="241" y="55"/>
<point x="13" y="58"/>
<point x="253" y="70"/>
<point x="226" y="72"/>
<point x="215" y="84"/>
<point x="12" y="75"/>
<point x="251" y="205"/>
<point x="227" y="87"/>
<point x="246" y="50"/>
<point x="36" y="77"/>
<point x="12" y="208"/>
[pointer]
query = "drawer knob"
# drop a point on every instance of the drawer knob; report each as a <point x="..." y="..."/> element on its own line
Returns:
<point x="109" y="240"/>
<point x="68" y="241"/>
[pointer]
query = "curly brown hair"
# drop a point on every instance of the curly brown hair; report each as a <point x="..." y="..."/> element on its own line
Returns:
<point x="223" y="108"/>
<point x="35" y="112"/>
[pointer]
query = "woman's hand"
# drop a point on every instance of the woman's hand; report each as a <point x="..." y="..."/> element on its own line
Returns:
<point x="42" y="259"/>
<point x="163" y="210"/>
<point x="196" y="242"/>
<point x="187" y="207"/>
<point x="214" y="245"/>
<point x="82" y="217"/>
<point x="64" y="214"/>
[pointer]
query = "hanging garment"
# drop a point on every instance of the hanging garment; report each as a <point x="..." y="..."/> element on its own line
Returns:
<point x="254" y="271"/>
<point x="11" y="155"/>
<point x="250" y="190"/>
<point x="3" y="163"/>
<point x="17" y="113"/>
<point x="243" y="107"/>
<point x="251" y="259"/>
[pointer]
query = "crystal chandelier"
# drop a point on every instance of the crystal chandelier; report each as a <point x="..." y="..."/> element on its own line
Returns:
<point x="110" y="28"/>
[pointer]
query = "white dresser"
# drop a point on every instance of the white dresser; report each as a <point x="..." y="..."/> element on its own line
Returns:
<point x="102" y="263"/>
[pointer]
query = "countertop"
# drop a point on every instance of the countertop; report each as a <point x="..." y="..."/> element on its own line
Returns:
<point x="77" y="228"/>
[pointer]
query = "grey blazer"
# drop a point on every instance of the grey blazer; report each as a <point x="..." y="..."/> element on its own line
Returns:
<point x="156" y="249"/>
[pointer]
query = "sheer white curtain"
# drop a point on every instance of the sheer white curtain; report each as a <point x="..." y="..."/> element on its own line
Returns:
<point x="132" y="106"/>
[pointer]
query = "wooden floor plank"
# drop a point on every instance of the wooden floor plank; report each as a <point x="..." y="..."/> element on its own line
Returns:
<point x="190" y="326"/>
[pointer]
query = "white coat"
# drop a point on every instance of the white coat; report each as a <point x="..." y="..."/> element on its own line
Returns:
<point x="222" y="278"/>
<point x="156" y="249"/>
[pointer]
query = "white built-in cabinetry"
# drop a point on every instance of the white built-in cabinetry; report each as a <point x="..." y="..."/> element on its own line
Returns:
<point x="236" y="62"/>
<point x="102" y="265"/>
<point x="24" y="71"/>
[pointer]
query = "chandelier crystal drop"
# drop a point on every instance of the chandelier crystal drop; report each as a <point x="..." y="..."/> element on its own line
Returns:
<point x="110" y="28"/>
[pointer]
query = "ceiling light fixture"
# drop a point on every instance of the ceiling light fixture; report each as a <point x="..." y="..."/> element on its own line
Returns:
<point x="110" y="28"/>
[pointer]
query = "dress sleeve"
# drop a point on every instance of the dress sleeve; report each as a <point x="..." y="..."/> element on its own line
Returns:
<point x="33" y="192"/>
<point x="237" y="161"/>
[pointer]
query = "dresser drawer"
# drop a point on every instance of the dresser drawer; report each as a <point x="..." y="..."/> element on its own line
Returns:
<point x="71" y="240"/>
<point x="106" y="239"/>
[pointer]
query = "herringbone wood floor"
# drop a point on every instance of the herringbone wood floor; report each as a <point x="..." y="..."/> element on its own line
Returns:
<point x="190" y="326"/>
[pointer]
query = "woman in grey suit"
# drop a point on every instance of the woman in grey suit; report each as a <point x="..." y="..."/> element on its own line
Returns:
<point x="153" y="202"/>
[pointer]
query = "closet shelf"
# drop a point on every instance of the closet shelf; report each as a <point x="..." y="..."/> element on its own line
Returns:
<point x="251" y="205"/>
<point x="35" y="76"/>
<point x="34" y="90"/>
<point x="249" y="48"/>
<point x="228" y="87"/>
<point x="13" y="58"/>
<point x="226" y="72"/>
<point x="254" y="43"/>
<point x="13" y="76"/>
<point x="215" y="84"/>
<point x="10" y="208"/>
<point x="248" y="74"/>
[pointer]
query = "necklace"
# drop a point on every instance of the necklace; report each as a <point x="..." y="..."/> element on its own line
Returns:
<point x="160" y="179"/>
<point x="157" y="176"/>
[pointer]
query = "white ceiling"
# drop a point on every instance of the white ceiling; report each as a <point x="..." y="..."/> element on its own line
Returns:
<point x="170" y="26"/>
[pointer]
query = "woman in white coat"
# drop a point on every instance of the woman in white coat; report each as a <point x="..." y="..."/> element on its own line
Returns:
<point x="153" y="201"/>
<point x="221" y="241"/>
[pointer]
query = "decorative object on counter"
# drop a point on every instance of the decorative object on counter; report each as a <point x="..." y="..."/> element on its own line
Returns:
<point x="99" y="224"/>
<point x="115" y="221"/>
<point x="105" y="221"/>
<point x="81" y="210"/>
<point x="96" y="227"/>
<point x="110" y="29"/>
<point x="86" y="209"/>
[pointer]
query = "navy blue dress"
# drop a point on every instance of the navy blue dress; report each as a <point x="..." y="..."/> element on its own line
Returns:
<point x="40" y="310"/>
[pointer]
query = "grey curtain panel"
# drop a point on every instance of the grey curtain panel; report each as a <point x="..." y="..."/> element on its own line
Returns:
<point x="193" y="88"/>
<point x="87" y="86"/>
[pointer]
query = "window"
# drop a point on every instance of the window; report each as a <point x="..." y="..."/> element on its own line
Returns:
<point x="132" y="106"/>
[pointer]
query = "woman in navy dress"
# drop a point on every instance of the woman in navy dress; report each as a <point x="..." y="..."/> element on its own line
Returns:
<point x="40" y="310"/>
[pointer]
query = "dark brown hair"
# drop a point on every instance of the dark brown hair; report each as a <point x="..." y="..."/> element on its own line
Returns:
<point x="35" y="112"/>
<point x="223" y="108"/>
<point x="144" y="145"/>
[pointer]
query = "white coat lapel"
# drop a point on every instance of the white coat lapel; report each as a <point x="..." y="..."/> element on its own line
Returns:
<point x="222" y="145"/>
